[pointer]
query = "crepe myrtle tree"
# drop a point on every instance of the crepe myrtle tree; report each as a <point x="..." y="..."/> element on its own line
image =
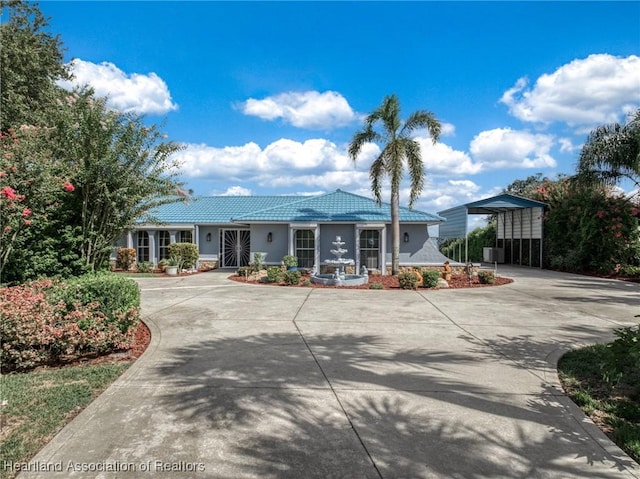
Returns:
<point x="398" y="149"/>
<point x="122" y="169"/>
<point x="33" y="191"/>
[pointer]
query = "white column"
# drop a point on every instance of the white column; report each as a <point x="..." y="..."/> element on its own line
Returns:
<point x="316" y="245"/>
<point x="357" y="248"/>
<point x="383" y="250"/>
<point x="152" y="247"/>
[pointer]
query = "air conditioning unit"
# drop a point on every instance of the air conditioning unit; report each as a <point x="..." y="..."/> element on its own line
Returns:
<point x="493" y="255"/>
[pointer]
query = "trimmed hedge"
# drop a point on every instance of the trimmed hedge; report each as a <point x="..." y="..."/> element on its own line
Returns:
<point x="48" y="322"/>
<point x="187" y="252"/>
<point x="430" y="278"/>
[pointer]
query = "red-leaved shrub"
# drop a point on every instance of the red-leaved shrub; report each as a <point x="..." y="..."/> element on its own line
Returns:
<point x="36" y="332"/>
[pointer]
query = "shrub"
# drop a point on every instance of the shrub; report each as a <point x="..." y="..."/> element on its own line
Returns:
<point x="125" y="259"/>
<point x="290" y="260"/>
<point x="408" y="280"/>
<point x="37" y="330"/>
<point x="306" y="282"/>
<point x="630" y="271"/>
<point x="258" y="262"/>
<point x="292" y="277"/>
<point x="624" y="355"/>
<point x="430" y="278"/>
<point x="243" y="271"/>
<point x="186" y="252"/>
<point x="274" y="274"/>
<point x="117" y="298"/>
<point x="486" y="277"/>
<point x="376" y="286"/>
<point x="145" y="267"/>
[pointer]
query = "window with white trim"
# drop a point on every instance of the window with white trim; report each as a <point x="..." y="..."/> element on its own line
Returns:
<point x="164" y="241"/>
<point x="370" y="249"/>
<point x="143" y="246"/>
<point x="305" y="248"/>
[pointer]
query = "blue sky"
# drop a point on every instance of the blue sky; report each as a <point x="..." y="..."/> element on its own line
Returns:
<point x="266" y="96"/>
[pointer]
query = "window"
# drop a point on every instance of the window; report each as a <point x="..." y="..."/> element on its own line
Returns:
<point x="370" y="248"/>
<point x="185" y="236"/>
<point x="143" y="246"/>
<point x="164" y="242"/>
<point x="305" y="248"/>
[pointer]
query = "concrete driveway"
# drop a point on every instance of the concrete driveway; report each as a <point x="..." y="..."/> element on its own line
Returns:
<point x="246" y="381"/>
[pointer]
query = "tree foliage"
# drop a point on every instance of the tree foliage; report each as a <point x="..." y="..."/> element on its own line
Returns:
<point x="587" y="228"/>
<point x="30" y="63"/>
<point x="611" y="154"/>
<point x="74" y="174"/>
<point x="398" y="149"/>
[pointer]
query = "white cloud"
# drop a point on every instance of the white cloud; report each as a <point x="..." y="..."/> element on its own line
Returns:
<point x="310" y="109"/>
<point x="134" y="93"/>
<point x="506" y="148"/>
<point x="584" y="93"/>
<point x="567" y="146"/>
<point x="251" y="161"/>
<point x="447" y="129"/>
<point x="237" y="191"/>
<point x="442" y="159"/>
<point x="329" y="180"/>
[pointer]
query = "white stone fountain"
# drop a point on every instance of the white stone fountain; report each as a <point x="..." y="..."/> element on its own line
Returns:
<point x="339" y="278"/>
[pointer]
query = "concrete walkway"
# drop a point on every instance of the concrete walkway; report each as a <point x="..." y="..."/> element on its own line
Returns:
<point x="246" y="381"/>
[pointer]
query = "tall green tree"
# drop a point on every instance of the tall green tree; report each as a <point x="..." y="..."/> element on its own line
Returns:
<point x="398" y="149"/>
<point x="31" y="60"/>
<point x="612" y="154"/>
<point x="122" y="169"/>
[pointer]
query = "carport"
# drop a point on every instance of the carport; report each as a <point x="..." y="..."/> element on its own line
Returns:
<point x="519" y="228"/>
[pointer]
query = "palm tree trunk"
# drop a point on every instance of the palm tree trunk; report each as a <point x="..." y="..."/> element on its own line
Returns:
<point x="395" y="232"/>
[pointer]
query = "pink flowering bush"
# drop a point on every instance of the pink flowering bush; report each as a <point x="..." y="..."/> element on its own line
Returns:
<point x="38" y="330"/>
<point x="33" y="188"/>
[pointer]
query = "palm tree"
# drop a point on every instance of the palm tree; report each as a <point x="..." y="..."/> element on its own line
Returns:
<point x="398" y="146"/>
<point x="611" y="154"/>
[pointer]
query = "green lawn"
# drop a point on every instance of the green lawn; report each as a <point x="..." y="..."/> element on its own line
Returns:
<point x="37" y="404"/>
<point x="614" y="406"/>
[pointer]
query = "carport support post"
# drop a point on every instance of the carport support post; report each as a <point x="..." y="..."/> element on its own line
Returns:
<point x="466" y="248"/>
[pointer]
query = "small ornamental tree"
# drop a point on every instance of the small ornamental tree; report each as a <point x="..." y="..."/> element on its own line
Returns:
<point x="33" y="190"/>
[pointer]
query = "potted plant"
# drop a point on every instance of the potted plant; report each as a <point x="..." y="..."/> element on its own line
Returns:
<point x="173" y="266"/>
<point x="290" y="261"/>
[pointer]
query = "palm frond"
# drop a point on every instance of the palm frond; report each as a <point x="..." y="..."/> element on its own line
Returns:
<point x="416" y="169"/>
<point x="376" y="174"/>
<point x="422" y="119"/>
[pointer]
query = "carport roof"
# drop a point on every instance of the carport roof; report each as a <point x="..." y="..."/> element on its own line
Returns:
<point x="500" y="203"/>
<point x="456" y="225"/>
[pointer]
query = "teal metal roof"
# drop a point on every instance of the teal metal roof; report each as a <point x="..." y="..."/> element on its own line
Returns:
<point x="216" y="209"/>
<point x="338" y="206"/>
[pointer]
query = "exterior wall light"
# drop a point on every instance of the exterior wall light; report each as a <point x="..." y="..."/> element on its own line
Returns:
<point x="406" y="237"/>
<point x="209" y="237"/>
<point x="269" y="237"/>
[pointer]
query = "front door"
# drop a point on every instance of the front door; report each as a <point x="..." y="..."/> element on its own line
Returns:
<point x="236" y="246"/>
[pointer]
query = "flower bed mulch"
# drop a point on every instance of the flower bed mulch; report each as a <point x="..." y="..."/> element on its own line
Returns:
<point x="142" y="340"/>
<point x="387" y="282"/>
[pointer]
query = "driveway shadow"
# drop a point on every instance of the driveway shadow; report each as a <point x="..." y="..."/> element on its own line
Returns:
<point x="277" y="413"/>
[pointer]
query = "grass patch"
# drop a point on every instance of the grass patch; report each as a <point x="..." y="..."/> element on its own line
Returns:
<point x="37" y="404"/>
<point x="612" y="405"/>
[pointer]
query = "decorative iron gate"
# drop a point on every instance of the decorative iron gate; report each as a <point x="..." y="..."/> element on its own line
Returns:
<point x="236" y="246"/>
